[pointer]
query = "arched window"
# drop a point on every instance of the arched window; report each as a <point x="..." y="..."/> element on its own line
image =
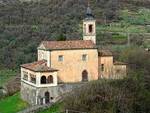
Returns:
<point x="50" y="79"/>
<point x="90" y="28"/>
<point x="43" y="80"/>
<point x="84" y="76"/>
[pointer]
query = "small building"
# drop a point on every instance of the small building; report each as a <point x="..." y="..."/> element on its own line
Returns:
<point x="108" y="68"/>
<point x="63" y="65"/>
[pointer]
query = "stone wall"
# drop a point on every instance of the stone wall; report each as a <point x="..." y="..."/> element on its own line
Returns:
<point x="28" y="93"/>
<point x="36" y="96"/>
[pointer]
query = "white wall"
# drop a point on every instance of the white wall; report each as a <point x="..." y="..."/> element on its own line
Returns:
<point x="86" y="34"/>
<point x="43" y="54"/>
<point x="38" y="78"/>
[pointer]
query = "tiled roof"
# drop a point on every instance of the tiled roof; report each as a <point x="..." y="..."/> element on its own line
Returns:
<point x="119" y="63"/>
<point x="39" y="66"/>
<point x="102" y="52"/>
<point x="74" y="44"/>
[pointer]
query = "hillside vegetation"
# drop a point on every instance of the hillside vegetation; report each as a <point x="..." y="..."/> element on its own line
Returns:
<point x="56" y="108"/>
<point x="5" y="75"/>
<point x="23" y="25"/>
<point x="12" y="104"/>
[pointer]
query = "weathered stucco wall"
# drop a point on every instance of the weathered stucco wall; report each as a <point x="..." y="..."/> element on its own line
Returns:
<point x="42" y="54"/>
<point x="72" y="66"/>
<point x="107" y="62"/>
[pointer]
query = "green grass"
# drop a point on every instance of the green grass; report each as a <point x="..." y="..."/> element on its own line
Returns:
<point x="131" y="22"/>
<point x="5" y="75"/>
<point x="146" y="44"/>
<point x="54" y="109"/>
<point x="129" y="29"/>
<point x="12" y="104"/>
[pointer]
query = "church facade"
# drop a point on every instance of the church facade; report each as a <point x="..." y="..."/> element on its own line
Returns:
<point x="61" y="63"/>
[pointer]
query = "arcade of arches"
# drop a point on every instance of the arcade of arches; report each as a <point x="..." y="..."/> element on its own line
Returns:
<point x="48" y="80"/>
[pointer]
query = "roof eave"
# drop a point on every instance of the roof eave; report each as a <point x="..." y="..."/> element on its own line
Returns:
<point x="105" y="55"/>
<point x="66" y="49"/>
<point x="39" y="70"/>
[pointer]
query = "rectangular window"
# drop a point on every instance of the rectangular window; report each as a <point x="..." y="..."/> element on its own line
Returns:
<point x="33" y="78"/>
<point x="102" y="67"/>
<point x="25" y="75"/>
<point x="60" y="58"/>
<point x="84" y="57"/>
<point x="90" y="28"/>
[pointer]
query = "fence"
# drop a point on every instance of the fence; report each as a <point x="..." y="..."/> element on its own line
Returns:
<point x="73" y="111"/>
<point x="70" y="111"/>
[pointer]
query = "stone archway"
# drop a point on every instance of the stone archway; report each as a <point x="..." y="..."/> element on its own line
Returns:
<point x="50" y="79"/>
<point x="47" y="97"/>
<point x="84" y="76"/>
<point x="43" y="80"/>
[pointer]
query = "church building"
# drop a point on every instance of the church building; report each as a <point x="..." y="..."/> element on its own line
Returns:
<point x="64" y="63"/>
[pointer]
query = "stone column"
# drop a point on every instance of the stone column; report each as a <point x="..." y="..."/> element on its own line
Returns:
<point x="44" y="101"/>
<point x="37" y="99"/>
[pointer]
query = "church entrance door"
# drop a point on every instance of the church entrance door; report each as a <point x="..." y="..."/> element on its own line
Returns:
<point x="84" y="76"/>
<point x="47" y="97"/>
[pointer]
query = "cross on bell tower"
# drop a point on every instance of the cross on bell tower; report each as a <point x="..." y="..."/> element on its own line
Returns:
<point x="89" y="25"/>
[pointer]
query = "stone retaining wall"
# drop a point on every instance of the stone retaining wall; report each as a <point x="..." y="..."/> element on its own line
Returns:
<point x="34" y="95"/>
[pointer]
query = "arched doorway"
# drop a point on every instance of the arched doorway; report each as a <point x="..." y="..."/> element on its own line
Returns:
<point x="47" y="99"/>
<point x="43" y="80"/>
<point x="50" y="79"/>
<point x="84" y="76"/>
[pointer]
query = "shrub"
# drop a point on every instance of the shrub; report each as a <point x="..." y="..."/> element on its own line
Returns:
<point x="100" y="97"/>
<point x="110" y="96"/>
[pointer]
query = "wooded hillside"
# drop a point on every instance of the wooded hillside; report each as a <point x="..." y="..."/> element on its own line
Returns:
<point x="23" y="25"/>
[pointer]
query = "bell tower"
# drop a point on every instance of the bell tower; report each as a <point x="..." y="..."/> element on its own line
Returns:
<point x="89" y="26"/>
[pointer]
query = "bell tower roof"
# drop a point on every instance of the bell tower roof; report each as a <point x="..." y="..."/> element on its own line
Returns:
<point x="89" y="15"/>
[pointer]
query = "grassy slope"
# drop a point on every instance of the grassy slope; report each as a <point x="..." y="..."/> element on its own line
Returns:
<point x="12" y="104"/>
<point x="5" y="75"/>
<point x="129" y="21"/>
